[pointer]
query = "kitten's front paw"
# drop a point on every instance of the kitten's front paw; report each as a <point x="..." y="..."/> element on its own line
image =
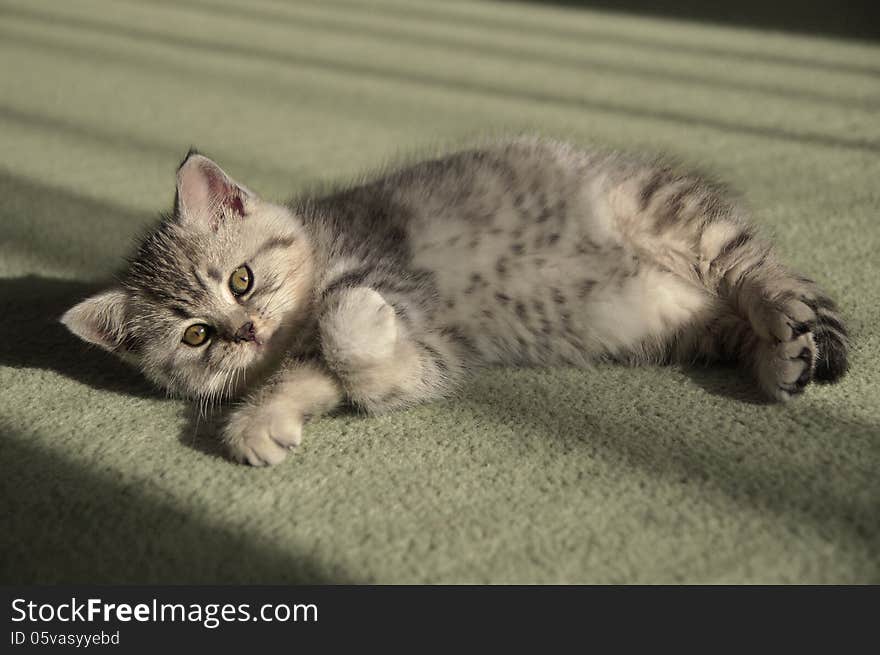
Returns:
<point x="359" y="326"/>
<point x="263" y="435"/>
<point x="785" y="368"/>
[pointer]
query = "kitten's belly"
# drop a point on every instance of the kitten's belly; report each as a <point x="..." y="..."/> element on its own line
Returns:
<point x="546" y="307"/>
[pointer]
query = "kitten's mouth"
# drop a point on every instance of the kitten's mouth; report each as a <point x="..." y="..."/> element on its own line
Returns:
<point x="263" y="338"/>
<point x="254" y="335"/>
<point x="262" y="342"/>
<point x="259" y="344"/>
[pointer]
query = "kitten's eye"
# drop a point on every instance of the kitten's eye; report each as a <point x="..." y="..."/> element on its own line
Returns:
<point x="196" y="334"/>
<point x="241" y="280"/>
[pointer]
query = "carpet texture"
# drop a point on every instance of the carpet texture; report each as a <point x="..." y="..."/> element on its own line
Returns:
<point x="612" y="475"/>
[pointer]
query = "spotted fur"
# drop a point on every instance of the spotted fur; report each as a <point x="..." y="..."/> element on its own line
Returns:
<point x="387" y="293"/>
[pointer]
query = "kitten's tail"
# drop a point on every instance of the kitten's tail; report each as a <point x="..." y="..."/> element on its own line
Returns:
<point x="832" y="339"/>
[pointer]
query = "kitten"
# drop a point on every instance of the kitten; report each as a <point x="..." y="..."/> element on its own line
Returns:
<point x="387" y="293"/>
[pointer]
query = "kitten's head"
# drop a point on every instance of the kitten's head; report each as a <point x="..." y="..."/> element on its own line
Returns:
<point x="211" y="295"/>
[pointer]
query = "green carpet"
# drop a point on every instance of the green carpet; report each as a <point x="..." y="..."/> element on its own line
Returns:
<point x="613" y="475"/>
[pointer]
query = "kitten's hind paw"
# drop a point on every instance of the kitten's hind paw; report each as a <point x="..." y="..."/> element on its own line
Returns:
<point x="802" y="339"/>
<point x="785" y="368"/>
<point x="262" y="436"/>
<point x="785" y="354"/>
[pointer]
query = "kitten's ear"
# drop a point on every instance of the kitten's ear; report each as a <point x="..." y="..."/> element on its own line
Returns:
<point x="205" y="193"/>
<point x="100" y="320"/>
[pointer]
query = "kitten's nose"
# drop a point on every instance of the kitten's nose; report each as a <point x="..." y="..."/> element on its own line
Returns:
<point x="246" y="333"/>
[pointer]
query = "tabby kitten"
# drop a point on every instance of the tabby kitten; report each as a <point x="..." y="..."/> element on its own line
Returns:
<point x="387" y="293"/>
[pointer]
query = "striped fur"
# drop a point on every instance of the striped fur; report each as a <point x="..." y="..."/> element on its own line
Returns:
<point x="387" y="293"/>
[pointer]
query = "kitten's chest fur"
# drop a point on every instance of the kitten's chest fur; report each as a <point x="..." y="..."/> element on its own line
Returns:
<point x="518" y="249"/>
